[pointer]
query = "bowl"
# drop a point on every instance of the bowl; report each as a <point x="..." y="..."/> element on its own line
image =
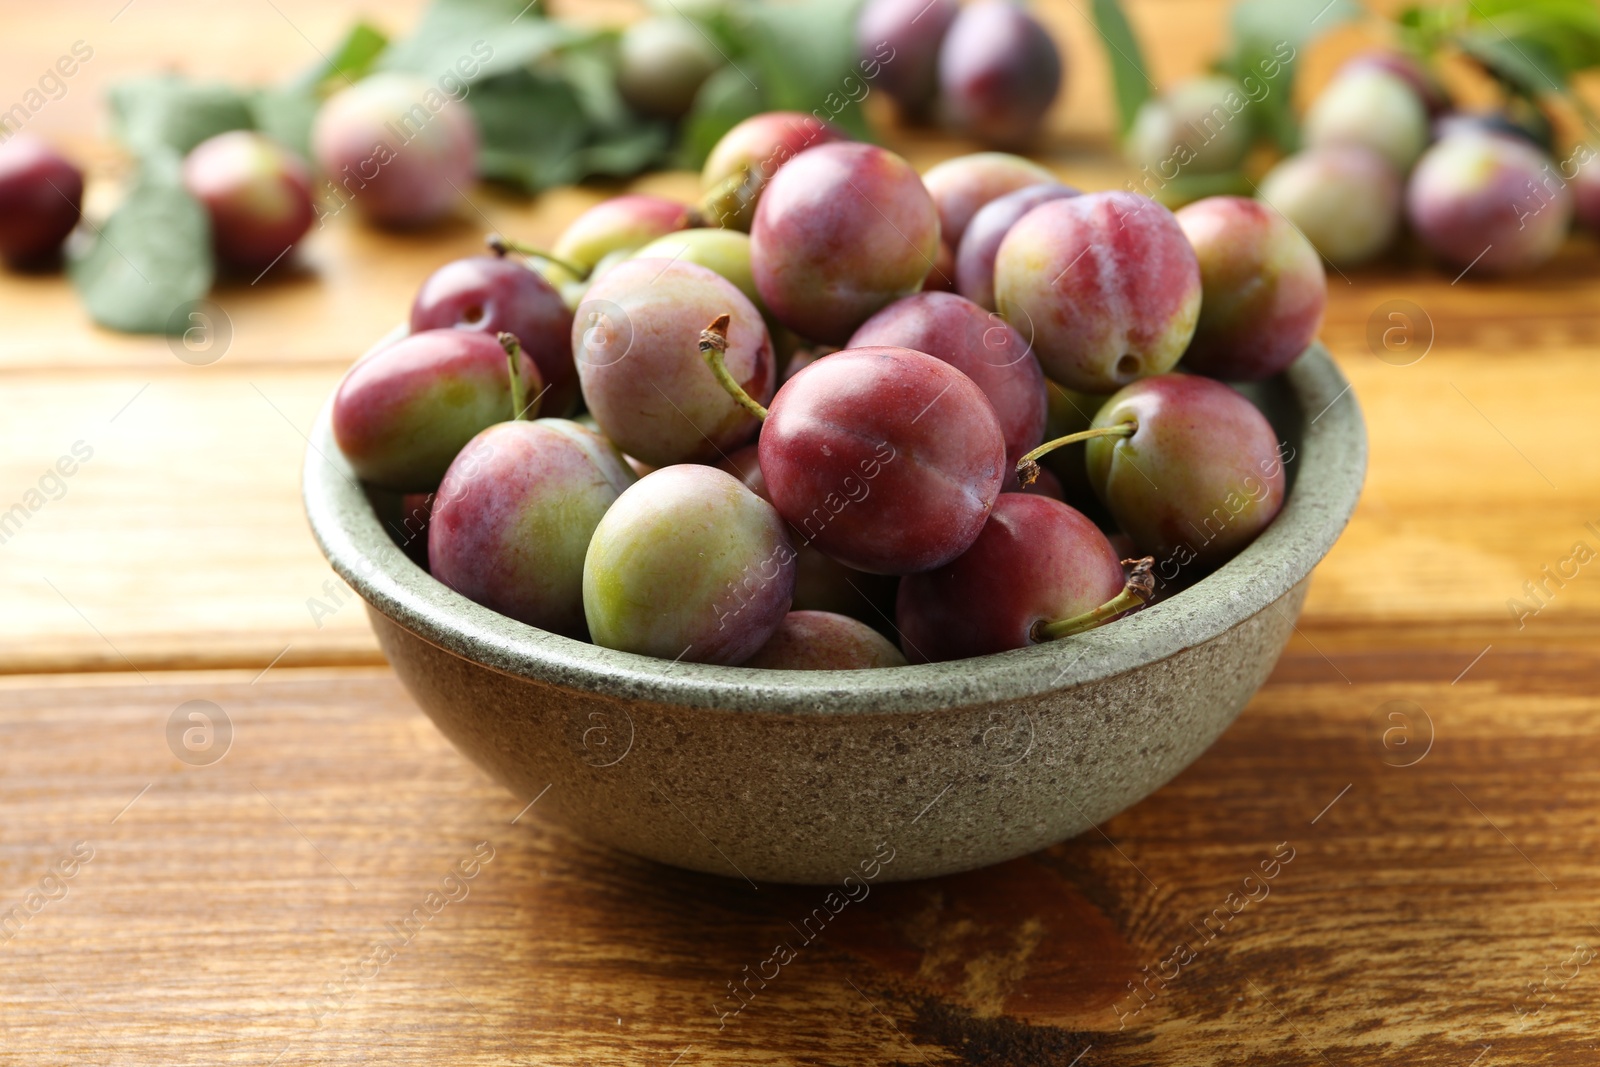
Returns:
<point x="815" y="777"/>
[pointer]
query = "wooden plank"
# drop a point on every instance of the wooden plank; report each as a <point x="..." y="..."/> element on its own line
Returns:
<point x="221" y="901"/>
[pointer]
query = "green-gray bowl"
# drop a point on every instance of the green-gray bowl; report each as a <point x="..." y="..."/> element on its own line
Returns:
<point x="795" y="776"/>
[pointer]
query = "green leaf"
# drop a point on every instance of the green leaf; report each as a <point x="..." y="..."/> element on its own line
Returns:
<point x="1527" y="68"/>
<point x="286" y="116"/>
<point x="802" y="56"/>
<point x="1562" y="33"/>
<point x="590" y="67"/>
<point x="165" y="112"/>
<point x="486" y="37"/>
<point x="1268" y="39"/>
<point x="150" y="258"/>
<point x="530" y="127"/>
<point x="352" y="60"/>
<point x="1129" y="81"/>
<point x="725" y="100"/>
<point x="626" y="152"/>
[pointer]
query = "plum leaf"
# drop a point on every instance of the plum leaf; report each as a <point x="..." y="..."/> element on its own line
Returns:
<point x="1129" y="81"/>
<point x="150" y="258"/>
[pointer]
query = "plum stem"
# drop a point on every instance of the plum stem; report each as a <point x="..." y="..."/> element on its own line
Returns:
<point x="503" y="246"/>
<point x="713" y="342"/>
<point x="1140" y="587"/>
<point x="1028" y="465"/>
<point x="519" y="391"/>
<point x="726" y="199"/>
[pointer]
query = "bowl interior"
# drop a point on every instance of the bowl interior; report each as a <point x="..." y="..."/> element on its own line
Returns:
<point x="1310" y="405"/>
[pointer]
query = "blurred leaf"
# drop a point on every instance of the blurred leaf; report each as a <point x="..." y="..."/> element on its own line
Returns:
<point x="1129" y="81"/>
<point x="286" y="115"/>
<point x="627" y="151"/>
<point x="1268" y="38"/>
<point x="165" y="112"/>
<point x="1527" y="68"/>
<point x="531" y="128"/>
<point x="725" y="100"/>
<point x="152" y="256"/>
<point x="802" y="56"/>
<point x="492" y="36"/>
<point x="1566" y="31"/>
<point x="351" y="60"/>
<point x="590" y="67"/>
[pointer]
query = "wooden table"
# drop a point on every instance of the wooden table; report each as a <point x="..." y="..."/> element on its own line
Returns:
<point x="1425" y="771"/>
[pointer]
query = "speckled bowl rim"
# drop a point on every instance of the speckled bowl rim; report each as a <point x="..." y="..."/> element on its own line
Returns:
<point x="1330" y="465"/>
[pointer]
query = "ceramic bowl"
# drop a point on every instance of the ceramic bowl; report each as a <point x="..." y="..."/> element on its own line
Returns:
<point x="812" y="777"/>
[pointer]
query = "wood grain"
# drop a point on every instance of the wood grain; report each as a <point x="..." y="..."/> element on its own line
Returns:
<point x="221" y="901"/>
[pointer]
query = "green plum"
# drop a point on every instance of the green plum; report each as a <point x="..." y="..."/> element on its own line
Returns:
<point x="688" y="564"/>
<point x="1374" y="108"/>
<point x="1197" y="475"/>
<point x="620" y="224"/>
<point x="727" y="252"/>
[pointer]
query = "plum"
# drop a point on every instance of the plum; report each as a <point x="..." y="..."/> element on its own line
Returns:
<point x="399" y="149"/>
<point x="1108" y="285"/>
<point x="41" y="199"/>
<point x="1488" y="202"/>
<point x="635" y="339"/>
<point x="821" y="583"/>
<point x="823" y="641"/>
<point x="1372" y="108"/>
<point x="726" y="252"/>
<point x="746" y="158"/>
<point x="1586" y="187"/>
<point x="403" y="413"/>
<point x="257" y="193"/>
<point x="513" y="517"/>
<point x="1263" y="289"/>
<point x="620" y="225"/>
<point x="975" y="258"/>
<point x="1500" y="123"/>
<point x="1345" y="200"/>
<point x="1197" y="128"/>
<point x="688" y="564"/>
<point x="661" y="64"/>
<point x="962" y="185"/>
<point x="978" y="343"/>
<point x="909" y="33"/>
<point x="1037" y="561"/>
<point x="999" y="72"/>
<point x="494" y="295"/>
<point x="1422" y="82"/>
<point x="1198" y="476"/>
<point x="942" y="278"/>
<point x="841" y="231"/>
<point x="886" y="459"/>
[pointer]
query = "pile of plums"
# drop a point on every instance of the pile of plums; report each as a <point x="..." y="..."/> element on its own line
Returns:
<point x="673" y="437"/>
<point x="987" y="69"/>
<point x="1384" y="148"/>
